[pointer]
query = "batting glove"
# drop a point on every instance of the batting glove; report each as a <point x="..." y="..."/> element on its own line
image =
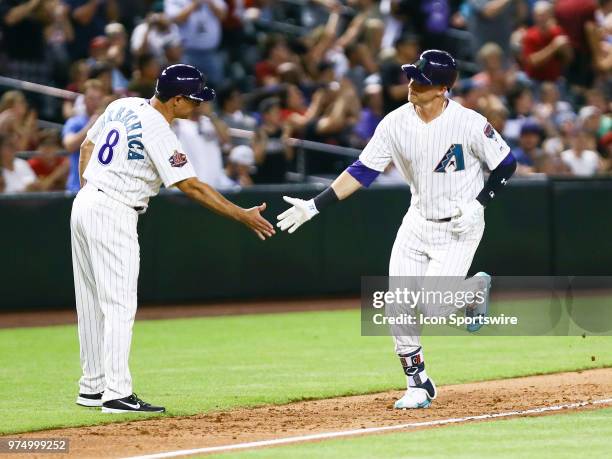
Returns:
<point x="296" y="216"/>
<point x="470" y="214"/>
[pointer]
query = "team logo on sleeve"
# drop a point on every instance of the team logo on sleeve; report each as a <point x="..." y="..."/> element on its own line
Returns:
<point x="178" y="159"/>
<point x="489" y="131"/>
<point x="452" y="161"/>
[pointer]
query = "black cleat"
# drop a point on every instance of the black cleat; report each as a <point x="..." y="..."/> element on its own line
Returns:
<point x="90" y="400"/>
<point x="131" y="404"/>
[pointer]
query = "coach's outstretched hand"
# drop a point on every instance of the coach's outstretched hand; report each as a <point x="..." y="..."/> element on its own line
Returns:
<point x="470" y="214"/>
<point x="253" y="219"/>
<point x="295" y="216"/>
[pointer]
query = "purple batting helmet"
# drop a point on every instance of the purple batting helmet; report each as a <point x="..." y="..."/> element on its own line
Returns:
<point x="434" y="67"/>
<point x="183" y="80"/>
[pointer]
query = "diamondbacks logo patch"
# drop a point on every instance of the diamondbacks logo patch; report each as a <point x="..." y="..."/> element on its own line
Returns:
<point x="452" y="161"/>
<point x="178" y="159"/>
<point x="489" y="131"/>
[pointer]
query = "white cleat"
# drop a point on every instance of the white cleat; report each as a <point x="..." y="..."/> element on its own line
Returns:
<point x="477" y="311"/>
<point x="415" y="397"/>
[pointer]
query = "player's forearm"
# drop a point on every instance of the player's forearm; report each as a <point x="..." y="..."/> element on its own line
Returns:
<point x="208" y="197"/>
<point x="497" y="180"/>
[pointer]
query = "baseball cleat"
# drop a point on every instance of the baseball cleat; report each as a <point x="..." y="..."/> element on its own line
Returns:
<point x="417" y="397"/>
<point x="479" y="310"/>
<point x="90" y="400"/>
<point x="130" y="404"/>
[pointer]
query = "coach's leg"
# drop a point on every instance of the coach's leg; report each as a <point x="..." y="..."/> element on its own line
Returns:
<point x="116" y="259"/>
<point x="89" y="314"/>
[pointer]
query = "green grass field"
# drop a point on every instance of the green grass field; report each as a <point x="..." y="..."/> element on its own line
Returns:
<point x="198" y="365"/>
<point x="560" y="436"/>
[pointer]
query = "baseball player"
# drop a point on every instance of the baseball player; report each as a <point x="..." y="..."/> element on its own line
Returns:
<point x="439" y="147"/>
<point x="127" y="155"/>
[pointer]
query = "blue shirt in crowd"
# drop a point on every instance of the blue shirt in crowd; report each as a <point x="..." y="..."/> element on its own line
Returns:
<point x="74" y="125"/>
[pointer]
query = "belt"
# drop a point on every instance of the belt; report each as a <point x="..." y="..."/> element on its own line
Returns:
<point x="137" y="209"/>
<point x="440" y="220"/>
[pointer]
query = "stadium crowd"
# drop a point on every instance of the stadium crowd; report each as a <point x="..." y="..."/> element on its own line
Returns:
<point x="321" y="70"/>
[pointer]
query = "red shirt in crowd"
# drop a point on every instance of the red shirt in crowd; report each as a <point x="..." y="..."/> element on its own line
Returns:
<point x="535" y="40"/>
<point x="43" y="168"/>
<point x="572" y="15"/>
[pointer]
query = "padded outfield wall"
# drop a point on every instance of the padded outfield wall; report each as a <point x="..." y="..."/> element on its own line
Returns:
<point x="188" y="254"/>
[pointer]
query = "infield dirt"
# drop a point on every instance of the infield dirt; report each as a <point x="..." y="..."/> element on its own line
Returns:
<point x="335" y="414"/>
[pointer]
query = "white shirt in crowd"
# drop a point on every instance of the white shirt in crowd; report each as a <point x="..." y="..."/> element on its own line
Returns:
<point x="157" y="39"/>
<point x="584" y="165"/>
<point x="19" y="178"/>
<point x="203" y="29"/>
<point x="201" y="143"/>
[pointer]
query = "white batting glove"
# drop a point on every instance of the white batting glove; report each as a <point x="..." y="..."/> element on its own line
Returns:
<point x="296" y="216"/>
<point x="470" y="214"/>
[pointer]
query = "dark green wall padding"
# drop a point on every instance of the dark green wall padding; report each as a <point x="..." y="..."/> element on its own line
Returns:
<point x="188" y="254"/>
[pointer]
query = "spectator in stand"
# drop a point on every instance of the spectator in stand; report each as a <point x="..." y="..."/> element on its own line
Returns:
<point x="98" y="50"/>
<point x="566" y="128"/>
<point x="51" y="169"/>
<point x="371" y="115"/>
<point x="272" y="156"/>
<point x="58" y="34"/>
<point x="493" y="21"/>
<point x="240" y="165"/>
<point x="75" y="129"/>
<point x="17" y="173"/>
<point x="496" y="76"/>
<point x="230" y="103"/>
<point x="546" y="47"/>
<point x="152" y="35"/>
<point x="276" y="52"/>
<point x="199" y="23"/>
<point x="89" y="17"/>
<point x="335" y="113"/>
<point x="520" y="100"/>
<point x="581" y="159"/>
<point x="16" y="118"/>
<point x="204" y="135"/>
<point x="23" y="40"/>
<point x="79" y="74"/>
<point x="145" y="76"/>
<point x="173" y="53"/>
<point x="117" y="55"/>
<point x="528" y="151"/>
<point x="393" y="78"/>
<point x="573" y="17"/>
<point x="550" y="108"/>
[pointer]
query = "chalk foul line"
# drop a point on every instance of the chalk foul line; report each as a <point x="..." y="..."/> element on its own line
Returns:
<point x="368" y="430"/>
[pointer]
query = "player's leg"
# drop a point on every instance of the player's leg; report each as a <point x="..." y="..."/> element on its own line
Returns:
<point x="115" y="259"/>
<point x="407" y="267"/>
<point x="451" y="258"/>
<point x="89" y="314"/>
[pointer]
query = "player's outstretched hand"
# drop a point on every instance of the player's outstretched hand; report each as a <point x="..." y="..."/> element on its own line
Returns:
<point x="295" y="216"/>
<point x="470" y="213"/>
<point x="253" y="219"/>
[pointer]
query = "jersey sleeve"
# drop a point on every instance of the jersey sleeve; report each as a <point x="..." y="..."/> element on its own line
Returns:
<point x="168" y="156"/>
<point x="487" y="145"/>
<point x="94" y="132"/>
<point x="378" y="153"/>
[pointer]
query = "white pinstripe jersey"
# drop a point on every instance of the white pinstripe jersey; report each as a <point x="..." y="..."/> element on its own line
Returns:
<point x="441" y="160"/>
<point x="135" y="152"/>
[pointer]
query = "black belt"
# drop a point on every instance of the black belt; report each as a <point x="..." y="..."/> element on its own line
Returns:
<point x="137" y="209"/>
<point x="440" y="220"/>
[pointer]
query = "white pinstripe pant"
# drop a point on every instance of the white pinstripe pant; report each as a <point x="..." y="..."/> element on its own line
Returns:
<point x="105" y="262"/>
<point x="425" y="249"/>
